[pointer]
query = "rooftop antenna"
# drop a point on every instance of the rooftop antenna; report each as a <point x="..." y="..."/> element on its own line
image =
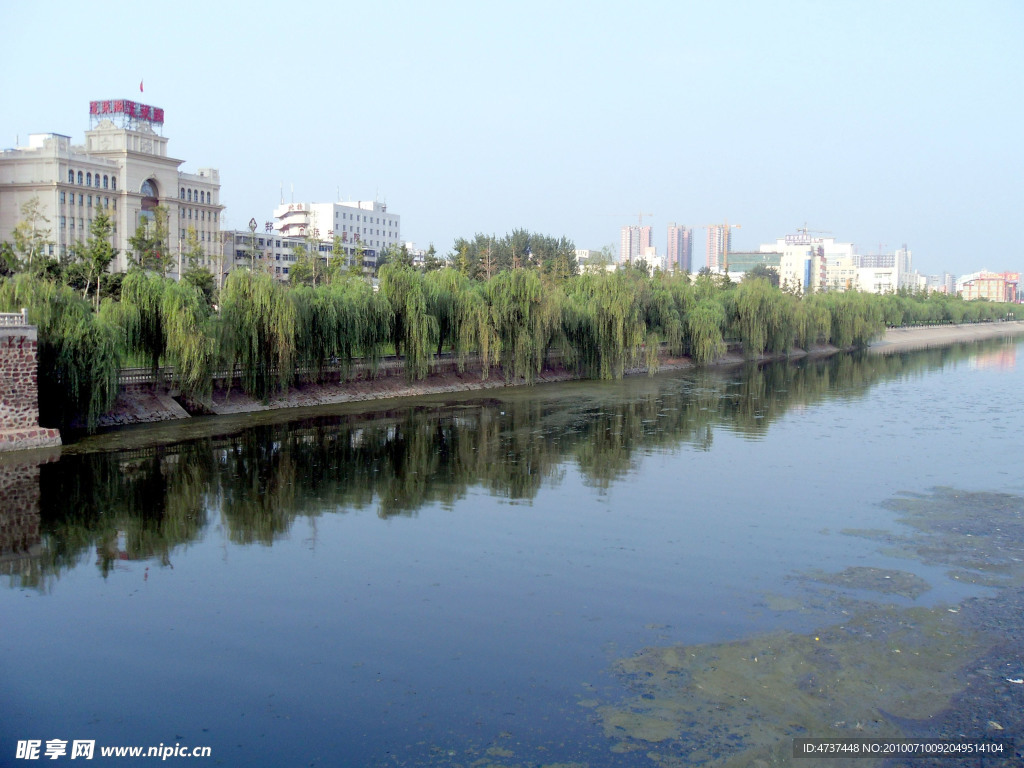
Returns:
<point x="293" y="192"/>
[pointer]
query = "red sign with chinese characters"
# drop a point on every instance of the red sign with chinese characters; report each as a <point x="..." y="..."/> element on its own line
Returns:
<point x="129" y="108"/>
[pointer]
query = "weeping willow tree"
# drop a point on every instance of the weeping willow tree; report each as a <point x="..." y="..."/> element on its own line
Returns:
<point x="188" y="338"/>
<point x="78" y="351"/>
<point x="764" y="317"/>
<point x="463" y="319"/>
<point x="476" y="332"/>
<point x="141" y="315"/>
<point x="704" y="325"/>
<point x="364" y="320"/>
<point x="337" y="322"/>
<point x="662" y="318"/>
<point x="414" y="331"/>
<point x="604" y="323"/>
<point x="857" y="318"/>
<point x="812" y="321"/>
<point x="316" y="331"/>
<point x="443" y="288"/>
<point x="257" y="332"/>
<point x="524" y="316"/>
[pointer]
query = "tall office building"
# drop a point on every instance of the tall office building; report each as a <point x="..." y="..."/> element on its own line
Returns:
<point x="680" y="248"/>
<point x="635" y="240"/>
<point x="718" y="244"/>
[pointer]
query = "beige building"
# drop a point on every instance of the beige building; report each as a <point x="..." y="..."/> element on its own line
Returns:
<point x="123" y="168"/>
<point x="991" y="286"/>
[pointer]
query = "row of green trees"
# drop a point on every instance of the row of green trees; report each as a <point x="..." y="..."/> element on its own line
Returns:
<point x="277" y="335"/>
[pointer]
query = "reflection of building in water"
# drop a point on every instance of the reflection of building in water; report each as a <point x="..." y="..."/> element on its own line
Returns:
<point x="1004" y="359"/>
<point x="20" y="542"/>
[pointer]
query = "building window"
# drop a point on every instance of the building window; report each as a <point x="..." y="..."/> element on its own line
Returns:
<point x="105" y="180"/>
<point x="181" y="193"/>
<point x="113" y="184"/>
<point x="96" y="181"/>
<point x="189" y="198"/>
<point x="71" y="177"/>
<point x="89" y="202"/>
<point x="88" y="179"/>
<point x="63" y="222"/>
<point x="63" y="199"/>
<point x="106" y="202"/>
<point x="81" y="200"/>
<point x="79" y="177"/>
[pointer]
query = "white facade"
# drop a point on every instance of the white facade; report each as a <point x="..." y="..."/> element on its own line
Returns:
<point x="805" y="260"/>
<point x="878" y="279"/>
<point x="124" y="170"/>
<point x="356" y="222"/>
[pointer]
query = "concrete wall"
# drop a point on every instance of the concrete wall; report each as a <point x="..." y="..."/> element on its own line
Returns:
<point x="19" y="392"/>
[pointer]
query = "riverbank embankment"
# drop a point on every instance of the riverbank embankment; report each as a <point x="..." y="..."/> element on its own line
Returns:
<point x="928" y="336"/>
<point x="137" y="405"/>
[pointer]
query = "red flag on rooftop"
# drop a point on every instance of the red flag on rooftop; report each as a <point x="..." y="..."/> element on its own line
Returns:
<point x="140" y="86"/>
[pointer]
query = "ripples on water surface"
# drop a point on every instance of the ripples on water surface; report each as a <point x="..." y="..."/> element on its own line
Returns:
<point x="570" y="574"/>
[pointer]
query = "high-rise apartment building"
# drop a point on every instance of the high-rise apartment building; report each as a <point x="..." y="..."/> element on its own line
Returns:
<point x="635" y="240"/>
<point x="719" y="243"/>
<point x="680" y="248"/>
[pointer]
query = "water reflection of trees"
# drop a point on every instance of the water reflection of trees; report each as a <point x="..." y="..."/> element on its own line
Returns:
<point x="142" y="504"/>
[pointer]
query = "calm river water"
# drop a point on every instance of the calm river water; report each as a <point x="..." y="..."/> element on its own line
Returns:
<point x="687" y="569"/>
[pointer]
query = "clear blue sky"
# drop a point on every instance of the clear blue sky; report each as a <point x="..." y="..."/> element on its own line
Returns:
<point x="881" y="122"/>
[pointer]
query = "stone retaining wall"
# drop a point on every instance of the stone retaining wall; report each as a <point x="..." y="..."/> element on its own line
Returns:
<point x="19" y="392"/>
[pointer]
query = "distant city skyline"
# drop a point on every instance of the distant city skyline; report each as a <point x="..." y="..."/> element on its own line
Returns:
<point x="881" y="122"/>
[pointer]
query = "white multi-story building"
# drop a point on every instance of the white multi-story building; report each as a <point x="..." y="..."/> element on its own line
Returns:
<point x="124" y="169"/>
<point x="805" y="260"/>
<point x="365" y="223"/>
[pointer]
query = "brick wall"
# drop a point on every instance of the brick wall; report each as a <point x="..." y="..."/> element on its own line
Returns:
<point x="19" y="392"/>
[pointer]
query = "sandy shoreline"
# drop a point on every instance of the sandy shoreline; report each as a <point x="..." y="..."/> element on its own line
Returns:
<point x="139" y="407"/>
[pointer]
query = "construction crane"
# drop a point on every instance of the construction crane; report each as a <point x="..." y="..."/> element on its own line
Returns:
<point x="725" y="227"/>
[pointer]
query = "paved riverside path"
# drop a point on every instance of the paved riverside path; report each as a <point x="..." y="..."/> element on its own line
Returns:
<point x="926" y="336"/>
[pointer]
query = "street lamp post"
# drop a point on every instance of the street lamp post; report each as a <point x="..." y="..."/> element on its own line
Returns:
<point x="252" y="243"/>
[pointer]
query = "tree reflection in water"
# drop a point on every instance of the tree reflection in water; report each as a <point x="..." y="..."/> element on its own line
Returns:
<point x="142" y="504"/>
